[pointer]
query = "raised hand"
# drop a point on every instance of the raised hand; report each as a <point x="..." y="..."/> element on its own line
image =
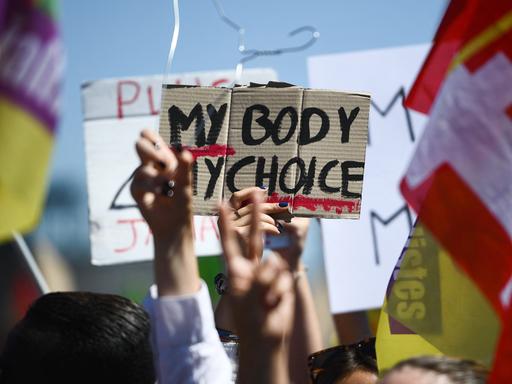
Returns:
<point x="162" y="188"/>
<point x="262" y="293"/>
<point x="262" y="301"/>
<point x="162" y="185"/>
<point x="240" y="208"/>
<point x="306" y="335"/>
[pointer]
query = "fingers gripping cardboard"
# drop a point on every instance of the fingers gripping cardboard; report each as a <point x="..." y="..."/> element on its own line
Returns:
<point x="306" y="146"/>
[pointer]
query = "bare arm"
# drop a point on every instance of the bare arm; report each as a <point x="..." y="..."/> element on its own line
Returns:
<point x="175" y="266"/>
<point x="352" y="327"/>
<point x="264" y="332"/>
<point x="169" y="217"/>
<point x="185" y="343"/>
<point x="263" y="364"/>
<point x="240" y="216"/>
<point x="306" y="336"/>
<point x="262" y="297"/>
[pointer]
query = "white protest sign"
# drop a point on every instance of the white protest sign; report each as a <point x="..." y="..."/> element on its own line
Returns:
<point x="360" y="255"/>
<point x="115" y="111"/>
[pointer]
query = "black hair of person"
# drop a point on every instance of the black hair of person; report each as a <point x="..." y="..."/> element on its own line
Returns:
<point x="79" y="337"/>
<point x="458" y="371"/>
<point x="344" y="364"/>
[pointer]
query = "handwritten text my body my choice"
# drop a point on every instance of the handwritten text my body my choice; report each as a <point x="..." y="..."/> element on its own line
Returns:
<point x="270" y="171"/>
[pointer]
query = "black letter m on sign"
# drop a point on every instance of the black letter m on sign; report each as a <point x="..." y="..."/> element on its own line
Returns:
<point x="178" y="121"/>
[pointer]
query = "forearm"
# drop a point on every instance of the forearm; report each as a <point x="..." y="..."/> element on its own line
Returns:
<point x="175" y="265"/>
<point x="352" y="327"/>
<point x="224" y="314"/>
<point x="306" y="337"/>
<point x="261" y="363"/>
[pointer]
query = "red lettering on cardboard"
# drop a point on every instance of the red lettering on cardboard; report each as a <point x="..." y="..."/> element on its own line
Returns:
<point x="214" y="150"/>
<point x="314" y="204"/>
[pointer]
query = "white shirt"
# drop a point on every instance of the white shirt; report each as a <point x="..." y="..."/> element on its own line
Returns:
<point x="186" y="345"/>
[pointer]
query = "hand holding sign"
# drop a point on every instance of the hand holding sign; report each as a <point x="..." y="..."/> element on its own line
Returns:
<point x="261" y="292"/>
<point x="241" y="212"/>
<point x="262" y="302"/>
<point x="307" y="145"/>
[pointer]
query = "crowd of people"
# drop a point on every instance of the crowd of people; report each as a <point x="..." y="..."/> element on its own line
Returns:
<point x="264" y="329"/>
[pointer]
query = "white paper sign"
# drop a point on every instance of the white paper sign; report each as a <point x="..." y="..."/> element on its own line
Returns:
<point x="115" y="111"/>
<point x="360" y="255"/>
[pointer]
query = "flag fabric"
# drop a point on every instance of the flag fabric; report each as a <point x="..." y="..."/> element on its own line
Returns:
<point x="395" y="341"/>
<point x="470" y="32"/>
<point x="30" y="72"/>
<point x="460" y="178"/>
<point x="432" y="306"/>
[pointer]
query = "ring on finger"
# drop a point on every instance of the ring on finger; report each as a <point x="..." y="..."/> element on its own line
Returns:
<point x="168" y="188"/>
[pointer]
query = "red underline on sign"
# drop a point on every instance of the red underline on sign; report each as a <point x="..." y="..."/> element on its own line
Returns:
<point x="314" y="203"/>
<point x="214" y="150"/>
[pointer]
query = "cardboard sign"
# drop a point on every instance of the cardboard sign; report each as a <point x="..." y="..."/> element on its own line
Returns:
<point x="307" y="146"/>
<point x="115" y="111"/>
<point x="360" y="255"/>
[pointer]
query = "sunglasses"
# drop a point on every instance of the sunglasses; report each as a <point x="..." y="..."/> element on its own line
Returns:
<point x="326" y="359"/>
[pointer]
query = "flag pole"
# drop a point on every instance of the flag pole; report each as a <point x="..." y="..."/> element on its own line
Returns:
<point x="31" y="262"/>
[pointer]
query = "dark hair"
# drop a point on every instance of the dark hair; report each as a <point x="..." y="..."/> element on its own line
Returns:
<point x="346" y="364"/>
<point x="458" y="371"/>
<point x="79" y="337"/>
<point x="339" y="362"/>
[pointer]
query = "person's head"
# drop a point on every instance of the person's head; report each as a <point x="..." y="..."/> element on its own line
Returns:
<point x="79" y="337"/>
<point x="345" y="364"/>
<point x="436" y="370"/>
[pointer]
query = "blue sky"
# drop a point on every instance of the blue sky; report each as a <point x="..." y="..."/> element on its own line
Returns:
<point x="123" y="38"/>
<point x="116" y="38"/>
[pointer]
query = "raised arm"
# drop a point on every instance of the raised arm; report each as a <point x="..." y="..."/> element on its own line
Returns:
<point x="163" y="191"/>
<point x="262" y="297"/>
<point x="239" y="212"/>
<point x="186" y="346"/>
<point x="306" y="337"/>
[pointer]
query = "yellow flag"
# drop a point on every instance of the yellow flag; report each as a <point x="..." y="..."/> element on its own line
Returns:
<point x="30" y="75"/>
<point x="432" y="307"/>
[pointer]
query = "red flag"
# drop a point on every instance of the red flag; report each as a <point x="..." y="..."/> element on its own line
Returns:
<point x="464" y="23"/>
<point x="461" y="173"/>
